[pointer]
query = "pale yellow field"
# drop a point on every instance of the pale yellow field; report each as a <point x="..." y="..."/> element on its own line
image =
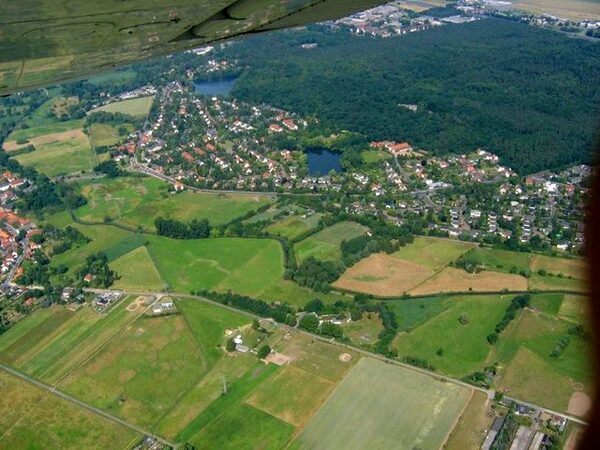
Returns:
<point x="383" y="275"/>
<point x="567" y="9"/>
<point x="46" y="139"/>
<point x="456" y="280"/>
<point x="575" y="268"/>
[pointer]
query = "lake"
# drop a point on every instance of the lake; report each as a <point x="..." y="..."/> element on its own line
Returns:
<point x="215" y="88"/>
<point x="322" y="161"/>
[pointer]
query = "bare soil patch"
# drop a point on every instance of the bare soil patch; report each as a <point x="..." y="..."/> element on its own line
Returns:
<point x="457" y="280"/>
<point x="579" y="404"/>
<point x="278" y="358"/>
<point x="384" y="275"/>
<point x="345" y="357"/>
<point x="46" y="139"/>
<point x="136" y="304"/>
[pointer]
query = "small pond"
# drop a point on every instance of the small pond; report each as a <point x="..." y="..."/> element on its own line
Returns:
<point x="215" y="88"/>
<point x="321" y="161"/>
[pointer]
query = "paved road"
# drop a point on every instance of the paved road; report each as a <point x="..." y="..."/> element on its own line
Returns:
<point x="489" y="392"/>
<point x="53" y="390"/>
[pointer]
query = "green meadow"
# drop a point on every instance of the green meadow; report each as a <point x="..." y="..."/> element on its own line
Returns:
<point x="137" y="107"/>
<point x="433" y="253"/>
<point x="325" y="244"/>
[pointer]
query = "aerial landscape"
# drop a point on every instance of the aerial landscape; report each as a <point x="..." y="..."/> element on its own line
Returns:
<point x="366" y="233"/>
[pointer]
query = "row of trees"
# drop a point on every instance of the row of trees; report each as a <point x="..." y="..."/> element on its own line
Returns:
<point x="517" y="303"/>
<point x="196" y="229"/>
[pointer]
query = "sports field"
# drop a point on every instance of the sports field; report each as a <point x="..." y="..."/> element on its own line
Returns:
<point x="325" y="245"/>
<point x="31" y="418"/>
<point x="400" y="409"/>
<point x="137" y="107"/>
<point x="61" y="154"/>
<point x="139" y="201"/>
<point x="457" y="280"/>
<point x="383" y="275"/>
<point x="434" y="253"/>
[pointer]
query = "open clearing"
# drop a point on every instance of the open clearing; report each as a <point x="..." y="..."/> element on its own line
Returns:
<point x="137" y="107"/>
<point x="71" y="154"/>
<point x="293" y="226"/>
<point x="325" y="245"/>
<point x="434" y="253"/>
<point x="400" y="409"/>
<point x="31" y="418"/>
<point x="569" y="9"/>
<point x="383" y="275"/>
<point x="457" y="280"/>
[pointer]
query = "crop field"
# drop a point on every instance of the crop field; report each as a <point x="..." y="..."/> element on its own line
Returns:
<point x="30" y="418"/>
<point x="137" y="271"/>
<point x="245" y="266"/>
<point x="400" y="409"/>
<point x="293" y="226"/>
<point x="137" y="107"/>
<point x="139" y="201"/>
<point x="575" y="268"/>
<point x="44" y="139"/>
<point x="433" y="253"/>
<point x="570" y="9"/>
<point x="472" y="426"/>
<point x="464" y="347"/>
<point x="325" y="245"/>
<point x="457" y="280"/>
<point x="69" y="154"/>
<point x="383" y="275"/>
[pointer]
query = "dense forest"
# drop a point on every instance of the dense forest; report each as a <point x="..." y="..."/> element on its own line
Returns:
<point x="530" y="95"/>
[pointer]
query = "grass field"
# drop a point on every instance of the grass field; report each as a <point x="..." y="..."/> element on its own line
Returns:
<point x="433" y="253"/>
<point x="383" y="275"/>
<point x="325" y="245"/>
<point x="465" y="348"/>
<point x="378" y="417"/>
<point x="457" y="280"/>
<point x="569" y="9"/>
<point x="106" y="135"/>
<point x="69" y="153"/>
<point x="137" y="271"/>
<point x="375" y="156"/>
<point x="411" y="313"/>
<point x="47" y="128"/>
<point x="30" y="418"/>
<point x="500" y="260"/>
<point x="293" y="226"/>
<point x="245" y="266"/>
<point x="114" y="76"/>
<point x="575" y="268"/>
<point x="309" y="391"/>
<point x="139" y="201"/>
<point x="556" y="283"/>
<point x="137" y="107"/>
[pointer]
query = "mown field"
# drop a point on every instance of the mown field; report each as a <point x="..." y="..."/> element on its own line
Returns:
<point x="137" y="107"/>
<point x="30" y="418"/>
<point x="137" y="202"/>
<point x="293" y="226"/>
<point x="423" y="411"/>
<point x="325" y="245"/>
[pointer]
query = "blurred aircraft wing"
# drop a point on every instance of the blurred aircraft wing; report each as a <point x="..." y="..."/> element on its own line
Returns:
<point x="47" y="41"/>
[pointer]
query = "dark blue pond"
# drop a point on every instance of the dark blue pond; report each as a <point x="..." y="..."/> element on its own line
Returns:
<point x="215" y="88"/>
<point x="322" y="161"/>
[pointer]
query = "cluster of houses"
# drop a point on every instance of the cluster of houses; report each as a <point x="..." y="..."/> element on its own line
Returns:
<point x="105" y="300"/>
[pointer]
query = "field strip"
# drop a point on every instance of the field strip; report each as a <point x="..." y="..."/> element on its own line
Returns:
<point x="462" y="411"/>
<point x="52" y="390"/>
